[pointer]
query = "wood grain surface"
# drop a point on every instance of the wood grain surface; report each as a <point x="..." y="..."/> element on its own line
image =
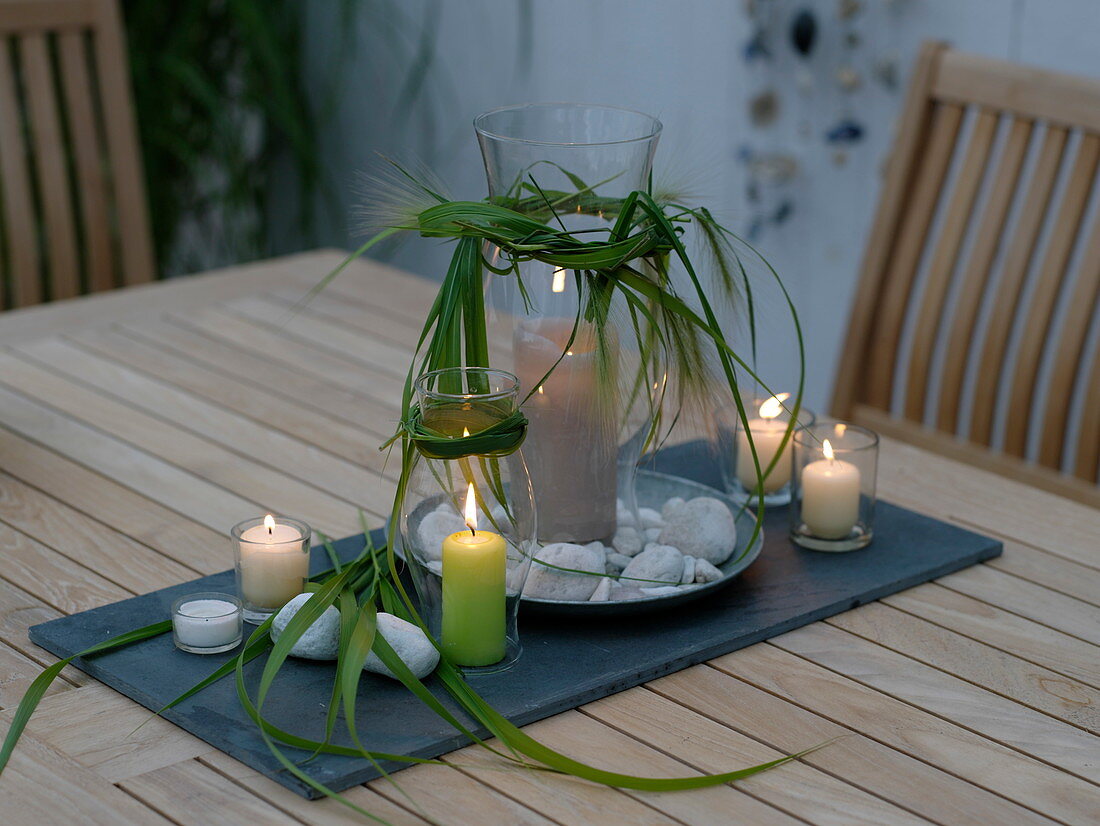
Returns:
<point x="136" y="427"/>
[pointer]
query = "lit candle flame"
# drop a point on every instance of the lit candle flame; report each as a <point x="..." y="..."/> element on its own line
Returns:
<point x="558" y="284"/>
<point x="540" y="390"/>
<point x="840" y="429"/>
<point x="471" y="510"/>
<point x="826" y="448"/>
<point x="773" y="406"/>
<point x="465" y="432"/>
<point x="269" y="523"/>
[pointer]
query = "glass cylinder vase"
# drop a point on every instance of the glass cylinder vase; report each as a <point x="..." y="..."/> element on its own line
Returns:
<point x="835" y="471"/>
<point x="589" y="390"/>
<point x="467" y="521"/>
<point x="768" y="420"/>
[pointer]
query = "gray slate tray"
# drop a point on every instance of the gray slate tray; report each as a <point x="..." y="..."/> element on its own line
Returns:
<point x="565" y="663"/>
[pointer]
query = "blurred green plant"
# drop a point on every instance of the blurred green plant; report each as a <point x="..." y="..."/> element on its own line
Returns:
<point x="223" y="105"/>
<point x="227" y="112"/>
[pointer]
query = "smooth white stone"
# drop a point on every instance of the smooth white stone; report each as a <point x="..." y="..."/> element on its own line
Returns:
<point x="669" y="507"/>
<point x="703" y="528"/>
<point x="657" y="563"/>
<point x="660" y="591"/>
<point x="650" y="518"/>
<point x="548" y="583"/>
<point x="321" y="641"/>
<point x="652" y="534"/>
<point x="433" y="529"/>
<point x="627" y="541"/>
<point x="617" y="560"/>
<point x="624" y="593"/>
<point x="602" y="592"/>
<point x="688" y="574"/>
<point x="435" y="566"/>
<point x="705" y="572"/>
<point x="596" y="545"/>
<point x="409" y="643"/>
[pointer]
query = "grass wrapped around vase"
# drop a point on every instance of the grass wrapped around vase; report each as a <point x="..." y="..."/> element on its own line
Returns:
<point x="630" y="271"/>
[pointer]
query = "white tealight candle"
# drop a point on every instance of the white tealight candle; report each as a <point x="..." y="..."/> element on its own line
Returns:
<point x="767" y="436"/>
<point x="830" y="496"/>
<point x="273" y="564"/>
<point x="206" y="623"/>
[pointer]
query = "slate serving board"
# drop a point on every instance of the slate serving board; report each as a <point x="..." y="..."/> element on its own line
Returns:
<point x="565" y="663"/>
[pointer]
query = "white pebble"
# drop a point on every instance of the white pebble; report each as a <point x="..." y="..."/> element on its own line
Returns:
<point x="602" y="592"/>
<point x="409" y="643"/>
<point x="704" y="528"/>
<point x="705" y="572"/>
<point x="660" y="591"/>
<point x="656" y="564"/>
<point x="433" y="529"/>
<point x="652" y="534"/>
<point x="688" y="574"/>
<point x="649" y="518"/>
<point x="625" y="593"/>
<point x="596" y="546"/>
<point x="321" y="641"/>
<point x="550" y="583"/>
<point x="618" y="561"/>
<point x="670" y="507"/>
<point x="627" y="541"/>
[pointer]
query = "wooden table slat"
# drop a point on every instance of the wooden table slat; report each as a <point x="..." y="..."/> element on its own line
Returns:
<point x="137" y="426"/>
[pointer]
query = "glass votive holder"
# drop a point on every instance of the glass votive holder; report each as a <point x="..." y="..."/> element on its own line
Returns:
<point x="833" y="490"/>
<point x="272" y="562"/>
<point x="206" y="622"/>
<point x="768" y="418"/>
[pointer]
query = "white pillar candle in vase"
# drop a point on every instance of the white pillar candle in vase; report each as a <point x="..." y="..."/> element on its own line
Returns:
<point x="571" y="448"/>
<point x="830" y="495"/>
<point x="767" y="430"/>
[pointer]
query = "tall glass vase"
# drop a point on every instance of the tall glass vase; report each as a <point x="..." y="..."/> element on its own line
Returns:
<point x="467" y="520"/>
<point x="588" y="387"/>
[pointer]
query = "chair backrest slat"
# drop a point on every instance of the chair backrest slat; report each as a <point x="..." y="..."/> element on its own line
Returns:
<point x="1025" y="237"/>
<point x="1040" y="309"/>
<point x="87" y="151"/>
<point x="903" y="266"/>
<point x="980" y="289"/>
<point x="944" y="258"/>
<point x="21" y="242"/>
<point x="1080" y="312"/>
<point x="122" y="146"/>
<point x="49" y="153"/>
<point x="987" y="240"/>
<point x="73" y="201"/>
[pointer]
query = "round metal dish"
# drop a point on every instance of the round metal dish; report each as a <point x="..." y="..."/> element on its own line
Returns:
<point x="654" y="489"/>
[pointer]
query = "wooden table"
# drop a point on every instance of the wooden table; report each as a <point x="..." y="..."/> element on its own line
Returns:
<point x="136" y="427"/>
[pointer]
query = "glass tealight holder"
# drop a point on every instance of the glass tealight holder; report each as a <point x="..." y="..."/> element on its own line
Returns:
<point x="833" y="487"/>
<point x="206" y="622"/>
<point x="467" y="526"/>
<point x="768" y="420"/>
<point x="272" y="562"/>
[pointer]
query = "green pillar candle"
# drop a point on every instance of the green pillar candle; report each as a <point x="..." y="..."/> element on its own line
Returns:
<point x="474" y="568"/>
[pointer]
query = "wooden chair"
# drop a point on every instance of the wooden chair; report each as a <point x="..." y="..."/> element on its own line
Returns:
<point x="975" y="329"/>
<point x="73" y="215"/>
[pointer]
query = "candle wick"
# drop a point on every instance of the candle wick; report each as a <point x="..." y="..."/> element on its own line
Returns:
<point x="473" y="531"/>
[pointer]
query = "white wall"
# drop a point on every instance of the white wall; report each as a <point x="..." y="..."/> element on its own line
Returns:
<point x="681" y="61"/>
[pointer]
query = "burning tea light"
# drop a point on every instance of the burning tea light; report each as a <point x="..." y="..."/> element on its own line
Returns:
<point x="272" y="563"/>
<point x="474" y="568"/>
<point x="206" y="623"/>
<point x="830" y="495"/>
<point x="767" y="435"/>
